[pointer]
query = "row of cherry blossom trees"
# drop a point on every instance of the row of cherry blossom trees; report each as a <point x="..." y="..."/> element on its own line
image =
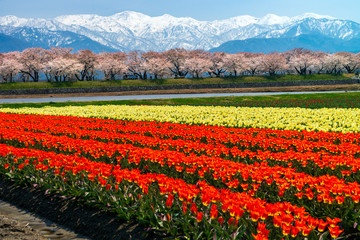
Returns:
<point x="60" y="64"/>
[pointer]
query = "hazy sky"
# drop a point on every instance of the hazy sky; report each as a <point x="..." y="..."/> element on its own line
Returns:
<point x="198" y="9"/>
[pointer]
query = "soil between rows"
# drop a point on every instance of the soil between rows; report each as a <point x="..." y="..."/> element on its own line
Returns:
<point x="12" y="230"/>
<point x="92" y="223"/>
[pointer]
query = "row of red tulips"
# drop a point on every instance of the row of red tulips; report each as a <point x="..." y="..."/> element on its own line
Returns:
<point x="263" y="149"/>
<point x="190" y="163"/>
<point x="326" y="188"/>
<point x="204" y="166"/>
<point x="201" y="202"/>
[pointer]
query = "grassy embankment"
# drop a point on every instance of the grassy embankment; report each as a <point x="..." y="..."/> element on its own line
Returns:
<point x="116" y="83"/>
<point x="346" y="99"/>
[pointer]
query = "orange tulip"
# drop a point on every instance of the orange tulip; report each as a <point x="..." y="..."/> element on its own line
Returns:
<point x="214" y="211"/>
<point x="199" y="217"/>
<point x="335" y="231"/>
<point x="333" y="222"/>
<point x="169" y="200"/>
<point x="322" y="225"/>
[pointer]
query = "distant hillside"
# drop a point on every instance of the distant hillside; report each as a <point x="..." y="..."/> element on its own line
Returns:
<point x="311" y="42"/>
<point x="8" y="43"/>
<point x="18" y="39"/>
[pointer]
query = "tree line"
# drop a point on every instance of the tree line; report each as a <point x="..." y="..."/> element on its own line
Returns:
<point x="60" y="64"/>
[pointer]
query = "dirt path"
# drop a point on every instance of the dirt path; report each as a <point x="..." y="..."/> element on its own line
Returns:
<point x="351" y="87"/>
<point x="21" y="221"/>
<point x="11" y="229"/>
<point x="89" y="222"/>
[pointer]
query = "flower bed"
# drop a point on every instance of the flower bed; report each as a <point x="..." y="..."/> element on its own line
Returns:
<point x="194" y="181"/>
<point x="322" y="119"/>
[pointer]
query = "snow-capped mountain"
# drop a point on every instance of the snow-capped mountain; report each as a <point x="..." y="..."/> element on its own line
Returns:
<point x="129" y="30"/>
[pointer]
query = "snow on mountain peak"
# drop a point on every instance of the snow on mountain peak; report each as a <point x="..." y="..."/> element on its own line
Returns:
<point x="137" y="21"/>
<point x="81" y="19"/>
<point x="166" y="16"/>
<point x="132" y="30"/>
<point x="180" y="19"/>
<point x="312" y="15"/>
<point x="242" y="20"/>
<point x="129" y="16"/>
<point x="12" y="21"/>
<point x="272" y="19"/>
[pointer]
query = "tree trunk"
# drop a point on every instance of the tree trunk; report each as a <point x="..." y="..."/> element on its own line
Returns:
<point x="36" y="74"/>
<point x="78" y="78"/>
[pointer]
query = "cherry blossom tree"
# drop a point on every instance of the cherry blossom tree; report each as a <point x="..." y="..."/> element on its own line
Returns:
<point x="197" y="66"/>
<point x="217" y="64"/>
<point x="197" y="63"/>
<point x="350" y="61"/>
<point x="234" y="63"/>
<point x="1" y="64"/>
<point x="301" y="60"/>
<point x="319" y="62"/>
<point x="32" y="62"/>
<point x="177" y="59"/>
<point x="55" y="52"/>
<point x="59" y="64"/>
<point x="253" y="62"/>
<point x="273" y="62"/>
<point x="112" y="64"/>
<point x="88" y="60"/>
<point x="63" y="68"/>
<point x="333" y="64"/>
<point x="156" y="64"/>
<point x="56" y="59"/>
<point x="9" y="66"/>
<point x="135" y="64"/>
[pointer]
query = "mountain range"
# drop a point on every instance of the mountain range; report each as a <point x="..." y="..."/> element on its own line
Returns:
<point x="127" y="31"/>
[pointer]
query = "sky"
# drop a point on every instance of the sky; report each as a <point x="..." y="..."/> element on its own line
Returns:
<point x="198" y="9"/>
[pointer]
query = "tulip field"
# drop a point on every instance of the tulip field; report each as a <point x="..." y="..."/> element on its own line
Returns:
<point x="196" y="172"/>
